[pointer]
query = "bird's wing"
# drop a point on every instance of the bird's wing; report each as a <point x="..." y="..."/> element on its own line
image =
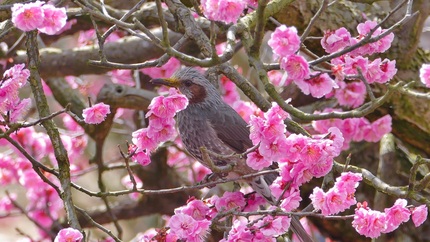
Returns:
<point x="230" y="128"/>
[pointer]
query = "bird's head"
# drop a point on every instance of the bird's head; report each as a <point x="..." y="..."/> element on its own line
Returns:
<point x="192" y="84"/>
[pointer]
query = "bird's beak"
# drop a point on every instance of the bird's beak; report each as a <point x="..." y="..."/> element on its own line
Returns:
<point x="171" y="82"/>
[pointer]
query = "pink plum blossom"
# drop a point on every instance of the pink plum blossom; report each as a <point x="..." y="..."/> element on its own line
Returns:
<point x="351" y="94"/>
<point x="187" y="228"/>
<point x="54" y="19"/>
<point x="273" y="151"/>
<point x="18" y="73"/>
<point x="142" y="158"/>
<point x="253" y="202"/>
<point x="239" y="232"/>
<point x="388" y="68"/>
<point x="227" y="11"/>
<point x="338" y="72"/>
<point x="338" y="198"/>
<point x="276" y="113"/>
<point x="268" y="129"/>
<point x="167" y="107"/>
<point x="419" y="215"/>
<point x="291" y="199"/>
<point x="330" y="202"/>
<point x="368" y="222"/>
<point x="13" y="79"/>
<point x="425" y="74"/>
<point x="356" y="129"/>
<point x="272" y="131"/>
<point x="318" y="198"/>
<point x="317" y="86"/>
<point x="69" y="234"/>
<point x="195" y="208"/>
<point x="161" y="129"/>
<point x="379" y="46"/>
<point x="284" y="41"/>
<point x="296" y="67"/>
<point x="377" y="129"/>
<point x="348" y="181"/>
<point x="27" y="17"/>
<point x="374" y="72"/>
<point x="142" y="140"/>
<point x="256" y="161"/>
<point x="229" y="200"/>
<point x="16" y="109"/>
<point x="161" y="123"/>
<point x="256" y="129"/>
<point x="396" y="215"/>
<point x="96" y="114"/>
<point x="273" y="226"/>
<point x="37" y="15"/>
<point x="354" y="63"/>
<point x="335" y="40"/>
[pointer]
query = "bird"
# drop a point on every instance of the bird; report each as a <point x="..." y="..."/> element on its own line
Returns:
<point x="210" y="123"/>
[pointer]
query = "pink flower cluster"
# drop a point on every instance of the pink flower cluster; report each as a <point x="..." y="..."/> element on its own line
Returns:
<point x="96" y="113"/>
<point x="338" y="198"/>
<point x="425" y="74"/>
<point x="43" y="203"/>
<point x="265" y="229"/>
<point x="339" y="39"/>
<point x="11" y="106"/>
<point x="161" y="124"/>
<point x="352" y="94"/>
<point x="371" y="223"/>
<point x="38" y="15"/>
<point x="300" y="158"/>
<point x="69" y="234"/>
<point x="269" y="133"/>
<point x="285" y="43"/>
<point x="380" y="71"/>
<point x="190" y="222"/>
<point x="304" y="159"/>
<point x="227" y="11"/>
<point x="356" y="129"/>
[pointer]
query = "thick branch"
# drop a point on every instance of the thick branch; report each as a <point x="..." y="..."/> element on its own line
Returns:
<point x="51" y="129"/>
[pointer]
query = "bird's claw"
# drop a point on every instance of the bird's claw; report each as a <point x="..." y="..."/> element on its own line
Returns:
<point x="209" y="178"/>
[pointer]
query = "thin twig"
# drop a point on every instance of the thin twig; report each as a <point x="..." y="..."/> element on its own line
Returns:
<point x="313" y="20"/>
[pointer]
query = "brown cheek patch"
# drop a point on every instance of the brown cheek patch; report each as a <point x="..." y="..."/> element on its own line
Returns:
<point x="199" y="93"/>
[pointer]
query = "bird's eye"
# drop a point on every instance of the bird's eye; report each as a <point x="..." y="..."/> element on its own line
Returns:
<point x="188" y="83"/>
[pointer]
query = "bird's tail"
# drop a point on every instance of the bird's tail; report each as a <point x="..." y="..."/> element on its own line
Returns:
<point x="261" y="185"/>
